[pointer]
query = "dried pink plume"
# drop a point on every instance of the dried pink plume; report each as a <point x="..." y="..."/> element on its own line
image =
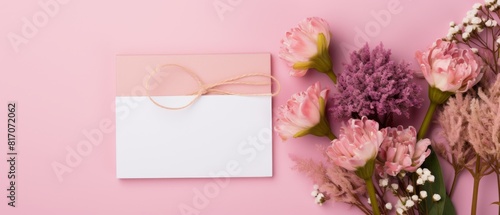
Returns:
<point x="484" y="122"/>
<point x="339" y="184"/>
<point x="454" y="145"/>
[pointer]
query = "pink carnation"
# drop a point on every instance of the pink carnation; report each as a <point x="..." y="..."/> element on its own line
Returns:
<point x="449" y="68"/>
<point x="358" y="143"/>
<point x="301" y="43"/>
<point x="400" y="151"/>
<point x="302" y="112"/>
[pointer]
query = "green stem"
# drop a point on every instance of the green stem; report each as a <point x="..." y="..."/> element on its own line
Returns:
<point x="427" y="121"/>
<point x="332" y="76"/>
<point x="331" y="136"/>
<point x="437" y="97"/>
<point x="373" y="199"/>
<point x="366" y="173"/>
<point x="475" y="191"/>
<point x="453" y="184"/>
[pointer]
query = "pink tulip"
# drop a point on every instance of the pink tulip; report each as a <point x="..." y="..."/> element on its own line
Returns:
<point x="400" y="151"/>
<point x="303" y="114"/>
<point x="357" y="144"/>
<point x="306" y="47"/>
<point x="449" y="68"/>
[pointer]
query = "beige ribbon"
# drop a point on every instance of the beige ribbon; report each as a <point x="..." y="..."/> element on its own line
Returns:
<point x="212" y="88"/>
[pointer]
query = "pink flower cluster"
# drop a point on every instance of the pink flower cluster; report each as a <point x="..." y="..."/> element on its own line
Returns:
<point x="395" y="149"/>
<point x="373" y="87"/>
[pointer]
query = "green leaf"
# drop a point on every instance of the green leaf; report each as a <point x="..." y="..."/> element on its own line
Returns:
<point x="444" y="206"/>
<point x="449" y="208"/>
<point x="434" y="211"/>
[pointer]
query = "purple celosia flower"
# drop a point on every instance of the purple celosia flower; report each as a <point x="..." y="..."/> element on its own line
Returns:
<point x="373" y="85"/>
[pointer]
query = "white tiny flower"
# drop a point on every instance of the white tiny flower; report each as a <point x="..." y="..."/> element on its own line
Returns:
<point x="475" y="51"/>
<point x="314" y="193"/>
<point x="452" y="24"/>
<point x="456" y="29"/>
<point x="409" y="203"/>
<point x="369" y="201"/>
<point x="414" y="198"/>
<point x="469" y="28"/>
<point x="431" y="178"/>
<point x="498" y="3"/>
<point x="320" y="199"/>
<point x="465" y="20"/>
<point x="410" y="188"/>
<point x="424" y="177"/>
<point x="419" y="171"/>
<point x="320" y="196"/>
<point x="316" y="187"/>
<point x="400" y="211"/>
<point x="472" y="13"/>
<point x="388" y="205"/>
<point x="489" y="23"/>
<point x="394" y="186"/>
<point x="477" y="6"/>
<point x="426" y="171"/>
<point x="449" y="37"/>
<point x="420" y="181"/>
<point x="423" y="194"/>
<point x="494" y="23"/>
<point x="436" y="197"/>
<point x="383" y="182"/>
<point x="489" y="2"/>
<point x="498" y="40"/>
<point x="450" y="34"/>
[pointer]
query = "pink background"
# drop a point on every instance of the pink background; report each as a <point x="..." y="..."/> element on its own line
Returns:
<point x="64" y="82"/>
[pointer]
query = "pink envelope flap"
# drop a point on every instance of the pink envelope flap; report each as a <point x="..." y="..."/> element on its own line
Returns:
<point x="134" y="73"/>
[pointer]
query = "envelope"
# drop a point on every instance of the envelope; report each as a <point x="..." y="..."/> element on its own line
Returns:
<point x="218" y="135"/>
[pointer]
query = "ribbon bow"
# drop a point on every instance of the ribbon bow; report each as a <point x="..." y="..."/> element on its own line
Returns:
<point x="213" y="88"/>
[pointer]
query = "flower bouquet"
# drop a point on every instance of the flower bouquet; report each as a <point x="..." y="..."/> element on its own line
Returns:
<point x="374" y="164"/>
